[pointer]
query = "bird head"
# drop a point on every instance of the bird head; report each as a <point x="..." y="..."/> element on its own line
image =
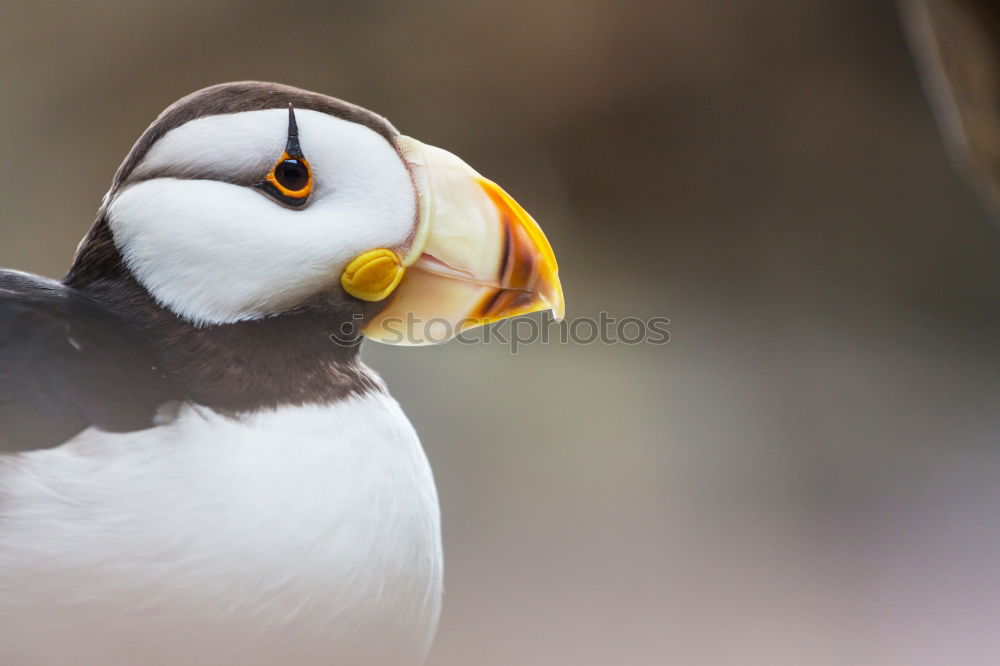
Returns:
<point x="245" y="201"/>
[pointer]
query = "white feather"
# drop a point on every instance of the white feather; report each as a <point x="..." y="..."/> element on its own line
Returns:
<point x="215" y="252"/>
<point x="300" y="536"/>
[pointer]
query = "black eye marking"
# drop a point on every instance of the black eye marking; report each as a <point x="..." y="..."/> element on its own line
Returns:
<point x="290" y="179"/>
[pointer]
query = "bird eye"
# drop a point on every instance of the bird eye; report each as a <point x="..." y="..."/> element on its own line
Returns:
<point x="292" y="175"/>
<point x="289" y="181"/>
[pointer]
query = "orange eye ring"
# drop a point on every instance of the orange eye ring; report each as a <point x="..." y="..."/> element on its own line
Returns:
<point x="291" y="177"/>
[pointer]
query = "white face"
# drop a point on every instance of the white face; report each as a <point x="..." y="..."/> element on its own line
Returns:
<point x="214" y="249"/>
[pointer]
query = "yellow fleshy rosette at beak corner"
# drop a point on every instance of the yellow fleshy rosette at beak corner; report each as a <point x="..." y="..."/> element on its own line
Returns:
<point x="476" y="257"/>
<point x="373" y="275"/>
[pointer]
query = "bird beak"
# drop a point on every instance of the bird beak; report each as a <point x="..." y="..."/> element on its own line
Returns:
<point x="476" y="257"/>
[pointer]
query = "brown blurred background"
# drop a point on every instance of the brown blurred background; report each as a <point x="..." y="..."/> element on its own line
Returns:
<point x="807" y="474"/>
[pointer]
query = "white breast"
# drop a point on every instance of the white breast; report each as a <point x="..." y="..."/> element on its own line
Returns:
<point x="304" y="535"/>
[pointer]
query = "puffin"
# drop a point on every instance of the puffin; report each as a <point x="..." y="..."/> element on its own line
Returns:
<point x="196" y="467"/>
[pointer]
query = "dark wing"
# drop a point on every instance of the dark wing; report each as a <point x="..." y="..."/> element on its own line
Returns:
<point x="66" y="364"/>
<point x="957" y="44"/>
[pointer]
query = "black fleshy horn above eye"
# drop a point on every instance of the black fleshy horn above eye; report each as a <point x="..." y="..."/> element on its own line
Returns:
<point x="292" y="147"/>
<point x="290" y="180"/>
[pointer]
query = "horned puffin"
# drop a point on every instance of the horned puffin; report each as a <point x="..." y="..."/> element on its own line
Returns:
<point x="196" y="466"/>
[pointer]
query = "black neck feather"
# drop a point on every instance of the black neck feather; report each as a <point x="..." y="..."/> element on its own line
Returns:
<point x="288" y="359"/>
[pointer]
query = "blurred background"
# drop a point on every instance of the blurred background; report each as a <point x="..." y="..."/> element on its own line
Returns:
<point x="808" y="473"/>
